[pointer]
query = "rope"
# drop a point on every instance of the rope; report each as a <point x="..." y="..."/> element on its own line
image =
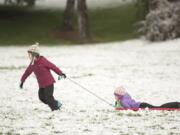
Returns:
<point x="90" y="92"/>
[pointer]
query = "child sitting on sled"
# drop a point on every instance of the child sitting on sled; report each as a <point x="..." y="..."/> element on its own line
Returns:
<point x="41" y="68"/>
<point x="124" y="100"/>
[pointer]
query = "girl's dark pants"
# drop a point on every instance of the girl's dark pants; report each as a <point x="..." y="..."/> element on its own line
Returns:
<point x="46" y="96"/>
<point x="166" y="105"/>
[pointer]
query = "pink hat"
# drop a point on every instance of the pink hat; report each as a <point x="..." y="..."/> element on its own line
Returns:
<point x="120" y="91"/>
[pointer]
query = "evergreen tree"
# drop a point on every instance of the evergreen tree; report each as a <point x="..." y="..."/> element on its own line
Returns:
<point x="162" y="22"/>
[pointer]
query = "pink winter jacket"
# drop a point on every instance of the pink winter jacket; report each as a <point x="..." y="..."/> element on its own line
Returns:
<point x="41" y="69"/>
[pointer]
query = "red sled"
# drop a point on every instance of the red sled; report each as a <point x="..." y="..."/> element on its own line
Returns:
<point x="139" y="109"/>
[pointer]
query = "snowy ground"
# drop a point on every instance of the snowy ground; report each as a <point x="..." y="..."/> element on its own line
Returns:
<point x="150" y="72"/>
<point x="91" y="3"/>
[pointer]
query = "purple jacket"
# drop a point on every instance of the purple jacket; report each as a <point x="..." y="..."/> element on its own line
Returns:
<point x="41" y="69"/>
<point x="127" y="102"/>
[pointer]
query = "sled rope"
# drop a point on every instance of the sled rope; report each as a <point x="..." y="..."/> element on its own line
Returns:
<point x="92" y="93"/>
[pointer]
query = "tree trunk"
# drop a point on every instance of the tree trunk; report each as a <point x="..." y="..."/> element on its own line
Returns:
<point x="147" y="6"/>
<point x="30" y="3"/>
<point x="68" y="15"/>
<point x="143" y="8"/>
<point x="82" y="14"/>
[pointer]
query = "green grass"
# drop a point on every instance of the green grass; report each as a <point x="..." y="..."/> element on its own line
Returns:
<point x="24" y="26"/>
<point x="114" y="24"/>
<point x="20" y="26"/>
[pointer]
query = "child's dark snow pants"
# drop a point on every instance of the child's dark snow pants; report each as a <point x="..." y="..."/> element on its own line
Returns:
<point x="166" y="105"/>
<point x="46" y="96"/>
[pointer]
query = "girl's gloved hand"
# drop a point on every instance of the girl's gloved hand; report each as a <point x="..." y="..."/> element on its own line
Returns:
<point x="118" y="105"/>
<point x="62" y="76"/>
<point x="21" y="85"/>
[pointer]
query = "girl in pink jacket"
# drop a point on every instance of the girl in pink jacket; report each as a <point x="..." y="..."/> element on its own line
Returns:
<point x="41" y="67"/>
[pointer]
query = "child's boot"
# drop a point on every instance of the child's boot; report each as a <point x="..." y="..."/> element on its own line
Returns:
<point x="178" y="104"/>
<point x="59" y="104"/>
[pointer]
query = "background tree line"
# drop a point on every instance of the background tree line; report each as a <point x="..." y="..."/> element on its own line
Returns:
<point x="161" y="18"/>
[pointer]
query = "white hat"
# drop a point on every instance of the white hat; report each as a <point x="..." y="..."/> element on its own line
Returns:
<point x="120" y="90"/>
<point x="34" y="48"/>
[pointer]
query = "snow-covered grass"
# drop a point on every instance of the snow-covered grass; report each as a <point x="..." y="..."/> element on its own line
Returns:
<point x="60" y="4"/>
<point x="149" y="71"/>
<point x="91" y="3"/>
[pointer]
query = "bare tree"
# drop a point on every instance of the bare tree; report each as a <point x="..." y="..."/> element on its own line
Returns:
<point x="82" y="13"/>
<point x="69" y="15"/>
<point x="82" y="17"/>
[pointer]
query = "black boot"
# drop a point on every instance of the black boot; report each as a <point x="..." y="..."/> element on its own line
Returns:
<point x="178" y="104"/>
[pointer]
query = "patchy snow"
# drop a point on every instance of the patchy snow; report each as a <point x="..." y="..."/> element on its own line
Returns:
<point x="150" y="72"/>
<point x="91" y="3"/>
<point x="60" y="4"/>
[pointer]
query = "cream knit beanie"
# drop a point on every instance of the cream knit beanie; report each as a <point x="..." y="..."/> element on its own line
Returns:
<point x="34" y="48"/>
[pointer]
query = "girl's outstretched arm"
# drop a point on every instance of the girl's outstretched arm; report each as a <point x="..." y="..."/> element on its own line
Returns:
<point x="52" y="66"/>
<point x="27" y="72"/>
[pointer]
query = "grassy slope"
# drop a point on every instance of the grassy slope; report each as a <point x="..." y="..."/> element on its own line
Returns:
<point x="114" y="24"/>
<point x="22" y="26"/>
<point x="25" y="26"/>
